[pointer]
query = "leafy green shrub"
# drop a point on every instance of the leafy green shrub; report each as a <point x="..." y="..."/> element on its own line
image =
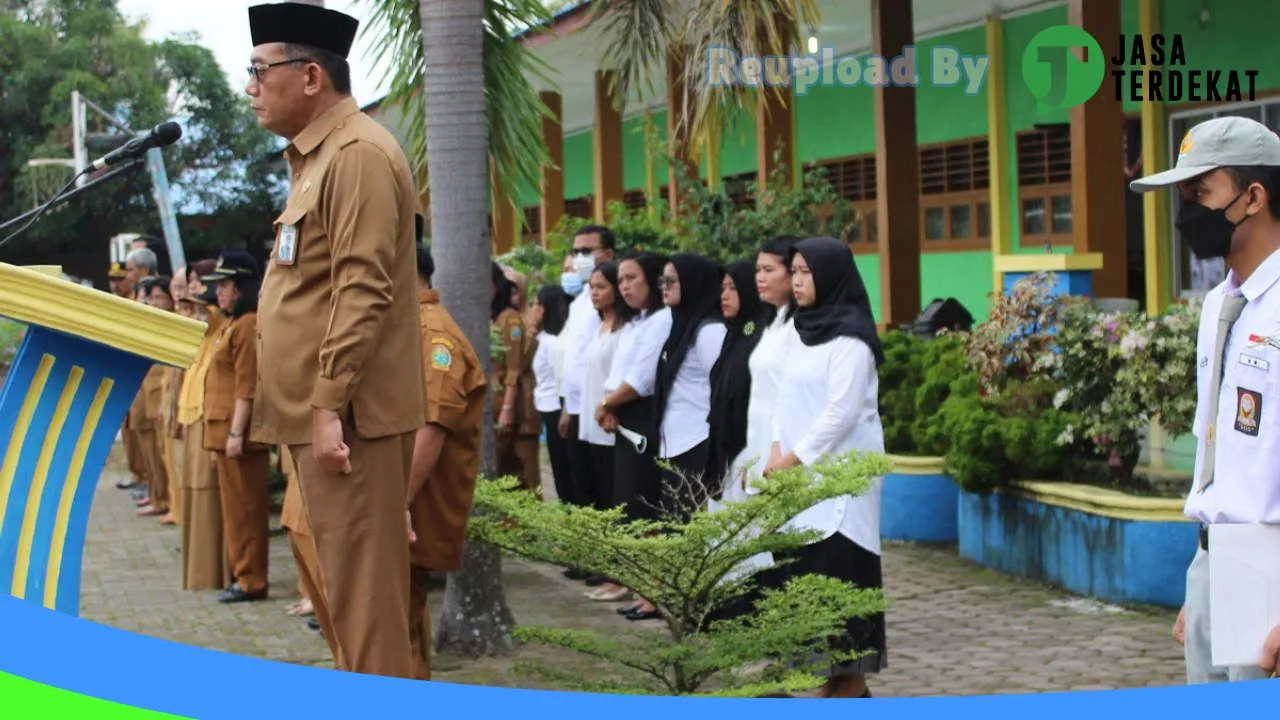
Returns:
<point x="11" y="334"/>
<point x="916" y="378"/>
<point x="689" y="570"/>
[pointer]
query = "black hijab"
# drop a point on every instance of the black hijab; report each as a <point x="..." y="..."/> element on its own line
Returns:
<point x="842" y="307"/>
<point x="699" y="305"/>
<point x="503" y="289"/>
<point x="730" y="377"/>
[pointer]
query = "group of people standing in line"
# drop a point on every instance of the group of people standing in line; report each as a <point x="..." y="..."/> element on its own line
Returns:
<point x="341" y="356"/>
<point x="725" y="375"/>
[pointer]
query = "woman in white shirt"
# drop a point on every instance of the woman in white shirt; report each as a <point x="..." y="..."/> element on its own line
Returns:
<point x="773" y="283"/>
<point x="614" y="314"/>
<point x="691" y="288"/>
<point x="547" y="315"/>
<point x="831" y="407"/>
<point x="627" y="403"/>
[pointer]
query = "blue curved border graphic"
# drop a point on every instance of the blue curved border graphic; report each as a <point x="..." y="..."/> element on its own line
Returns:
<point x="101" y="662"/>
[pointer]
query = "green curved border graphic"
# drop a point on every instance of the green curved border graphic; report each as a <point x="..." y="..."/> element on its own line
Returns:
<point x="21" y="699"/>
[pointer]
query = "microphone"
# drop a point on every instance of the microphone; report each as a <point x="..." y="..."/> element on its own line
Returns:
<point x="166" y="133"/>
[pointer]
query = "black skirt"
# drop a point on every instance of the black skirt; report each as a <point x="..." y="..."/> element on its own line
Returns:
<point x="840" y="558"/>
<point x="684" y="489"/>
<point x="635" y="474"/>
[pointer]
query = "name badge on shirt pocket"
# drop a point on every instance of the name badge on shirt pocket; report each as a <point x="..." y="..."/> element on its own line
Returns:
<point x="1248" y="411"/>
<point x="287" y="244"/>
<point x="1254" y="362"/>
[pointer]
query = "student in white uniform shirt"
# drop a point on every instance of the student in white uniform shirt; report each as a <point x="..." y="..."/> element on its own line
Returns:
<point x="614" y="315"/>
<point x="592" y="246"/>
<point x="547" y="315"/>
<point x="829" y="405"/>
<point x="1226" y="177"/>
<point x="627" y="402"/>
<point x="691" y="288"/>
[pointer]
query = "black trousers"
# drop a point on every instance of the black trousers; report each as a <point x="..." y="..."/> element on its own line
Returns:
<point x="581" y="466"/>
<point x="558" y="450"/>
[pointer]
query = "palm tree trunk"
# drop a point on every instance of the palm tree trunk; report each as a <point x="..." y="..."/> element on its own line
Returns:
<point x="475" y="619"/>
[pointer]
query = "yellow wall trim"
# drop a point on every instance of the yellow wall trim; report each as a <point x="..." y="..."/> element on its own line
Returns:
<point x="30" y="296"/>
<point x="1100" y="501"/>
<point x="916" y="465"/>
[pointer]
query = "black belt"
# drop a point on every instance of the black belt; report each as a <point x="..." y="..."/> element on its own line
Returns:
<point x="1204" y="537"/>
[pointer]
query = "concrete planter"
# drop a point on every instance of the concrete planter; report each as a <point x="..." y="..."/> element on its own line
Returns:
<point x="1102" y="543"/>
<point x="918" y="501"/>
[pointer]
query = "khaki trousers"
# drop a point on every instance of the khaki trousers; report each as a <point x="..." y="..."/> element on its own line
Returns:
<point x="150" y="445"/>
<point x="242" y="485"/>
<point x="420" y="622"/>
<point x="304" y="555"/>
<point x="362" y="547"/>
<point x="204" y="558"/>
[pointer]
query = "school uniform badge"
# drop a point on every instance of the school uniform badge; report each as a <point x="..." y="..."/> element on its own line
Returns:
<point x="441" y="358"/>
<point x="1248" y="411"/>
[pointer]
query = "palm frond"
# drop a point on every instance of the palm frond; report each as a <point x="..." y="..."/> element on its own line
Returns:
<point x="513" y="109"/>
<point x="751" y="28"/>
<point x="637" y="34"/>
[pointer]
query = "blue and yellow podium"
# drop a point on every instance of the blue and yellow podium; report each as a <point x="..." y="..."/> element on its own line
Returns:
<point x="77" y="372"/>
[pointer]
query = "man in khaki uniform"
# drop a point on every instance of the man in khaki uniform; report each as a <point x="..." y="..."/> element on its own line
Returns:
<point x="446" y="455"/>
<point x="340" y="355"/>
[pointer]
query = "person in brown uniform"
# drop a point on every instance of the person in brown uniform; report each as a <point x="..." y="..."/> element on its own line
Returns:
<point x="446" y="455"/>
<point x="119" y="285"/>
<point x="243" y="467"/>
<point x="146" y="416"/>
<point x="513" y="359"/>
<point x="528" y="443"/>
<point x="340" y="354"/>
<point x="204" y="564"/>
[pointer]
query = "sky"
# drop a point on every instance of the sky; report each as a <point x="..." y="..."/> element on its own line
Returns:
<point x="223" y="26"/>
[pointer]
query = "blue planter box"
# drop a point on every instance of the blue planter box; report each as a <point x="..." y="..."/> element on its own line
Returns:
<point x="1090" y="541"/>
<point x="918" y="501"/>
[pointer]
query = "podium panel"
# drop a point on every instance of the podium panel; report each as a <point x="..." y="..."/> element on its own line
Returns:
<point x="72" y="382"/>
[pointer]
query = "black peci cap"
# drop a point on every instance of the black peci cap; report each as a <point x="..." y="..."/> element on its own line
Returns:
<point x="303" y="24"/>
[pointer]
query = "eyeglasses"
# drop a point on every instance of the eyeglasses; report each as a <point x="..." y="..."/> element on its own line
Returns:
<point x="257" y="71"/>
<point x="582" y="251"/>
<point x="665" y="281"/>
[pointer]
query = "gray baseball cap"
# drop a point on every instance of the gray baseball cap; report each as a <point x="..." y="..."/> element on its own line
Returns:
<point x="1217" y="143"/>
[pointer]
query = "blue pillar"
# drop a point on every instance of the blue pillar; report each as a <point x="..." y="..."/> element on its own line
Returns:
<point x="75" y="376"/>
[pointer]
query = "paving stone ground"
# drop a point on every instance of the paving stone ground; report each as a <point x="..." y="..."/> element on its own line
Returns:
<point x="954" y="628"/>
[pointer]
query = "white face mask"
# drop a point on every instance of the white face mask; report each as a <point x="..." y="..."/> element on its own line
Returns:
<point x="584" y="265"/>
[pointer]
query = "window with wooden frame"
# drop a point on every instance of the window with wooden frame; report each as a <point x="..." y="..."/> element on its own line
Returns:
<point x="854" y="179"/>
<point x="1044" y="187"/>
<point x="737" y="188"/>
<point x="955" y="203"/>
<point x="579" y="207"/>
<point x="532" y="221"/>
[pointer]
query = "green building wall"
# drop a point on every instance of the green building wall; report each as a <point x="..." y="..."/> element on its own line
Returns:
<point x="834" y="122"/>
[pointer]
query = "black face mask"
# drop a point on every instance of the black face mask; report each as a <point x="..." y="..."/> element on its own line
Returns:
<point x="1207" y="231"/>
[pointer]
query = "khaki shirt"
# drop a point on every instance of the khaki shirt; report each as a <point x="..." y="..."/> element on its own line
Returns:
<point x="456" y="394"/>
<point x="232" y="376"/>
<point x="338" y="321"/>
<point x="510" y="362"/>
<point x="144" y="414"/>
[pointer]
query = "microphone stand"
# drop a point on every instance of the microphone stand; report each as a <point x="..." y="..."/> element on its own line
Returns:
<point x="61" y="197"/>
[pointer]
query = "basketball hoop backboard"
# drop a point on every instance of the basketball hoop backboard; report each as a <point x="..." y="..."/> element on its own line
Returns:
<point x="47" y="176"/>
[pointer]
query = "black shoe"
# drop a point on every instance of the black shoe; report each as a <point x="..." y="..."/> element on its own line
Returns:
<point x="628" y="609"/>
<point x="635" y="615"/>
<point x="234" y="594"/>
<point x="595" y="580"/>
<point x="574" y="574"/>
<point x="126" y="484"/>
<point x="313" y="623"/>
